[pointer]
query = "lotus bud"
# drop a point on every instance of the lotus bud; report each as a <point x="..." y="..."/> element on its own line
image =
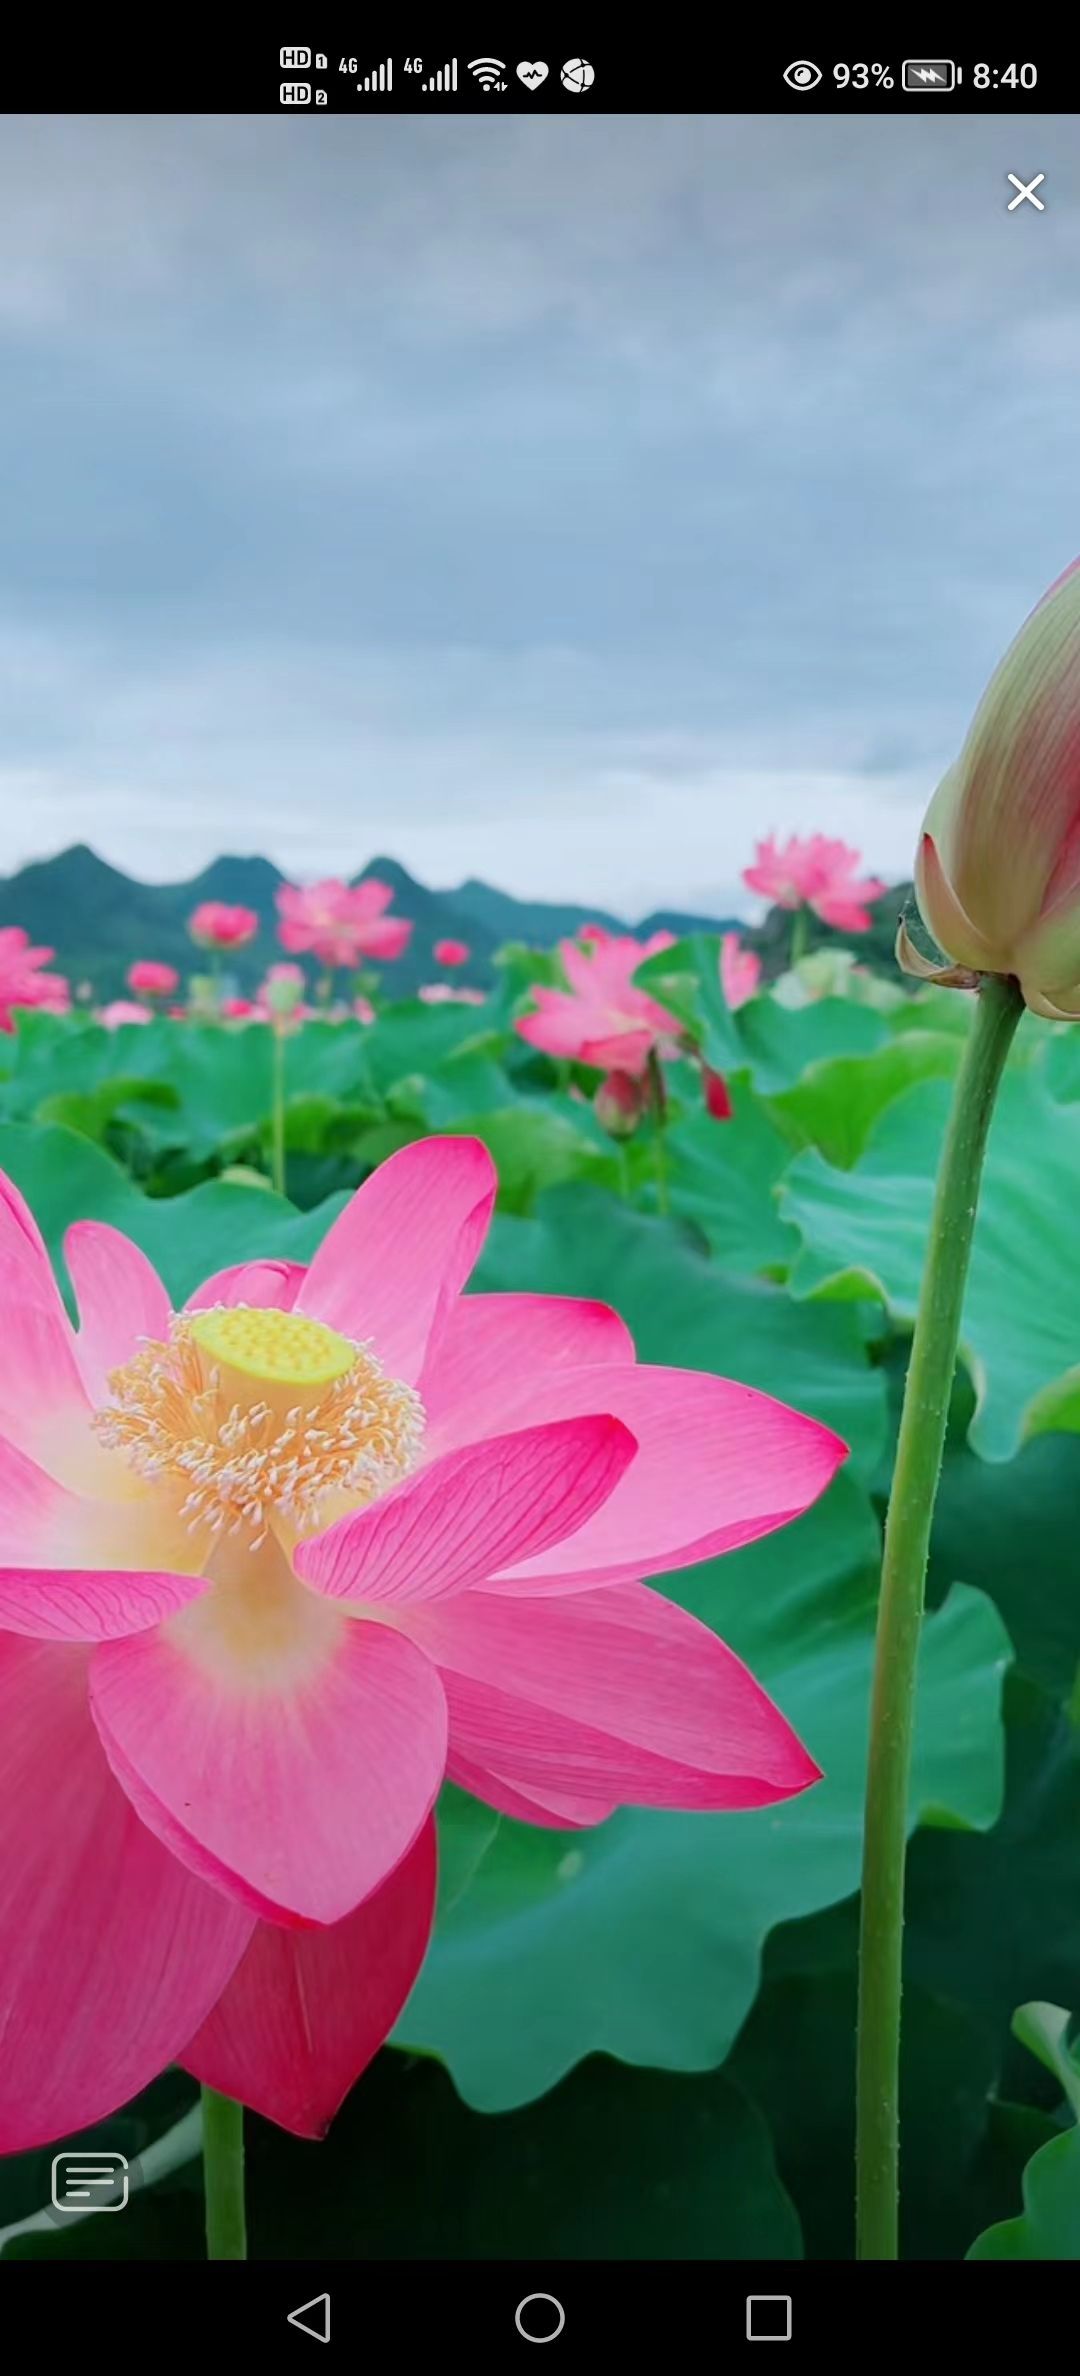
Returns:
<point x="283" y="991"/>
<point x="619" y="1104"/>
<point x="717" y="1094"/>
<point x="998" y="871"/>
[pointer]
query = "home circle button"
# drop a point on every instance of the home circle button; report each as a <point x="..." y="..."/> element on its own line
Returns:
<point x="539" y="2318"/>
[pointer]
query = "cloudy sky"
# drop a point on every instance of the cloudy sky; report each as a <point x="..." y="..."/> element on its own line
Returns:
<point x="563" y="501"/>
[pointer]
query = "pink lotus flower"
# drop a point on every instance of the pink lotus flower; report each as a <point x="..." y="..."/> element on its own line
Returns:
<point x="276" y="1564"/>
<point x="339" y="923"/>
<point x="451" y="952"/>
<point x="603" y="1018"/>
<point x="363" y="1010"/>
<point x="596" y="934"/>
<point x="214" y="925"/>
<point x="22" y="983"/>
<point x="740" y="970"/>
<point x="149" y="979"/>
<point x="817" y="874"/>
<point x="123" y="1010"/>
<point x="239" y="1010"/>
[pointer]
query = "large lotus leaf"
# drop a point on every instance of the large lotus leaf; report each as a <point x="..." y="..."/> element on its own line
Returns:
<point x="1010" y="1528"/>
<point x="616" y="2164"/>
<point x="795" y="2058"/>
<point x="994" y="1920"/>
<point x="64" y="1178"/>
<point x="837" y="1103"/>
<point x="612" y="2165"/>
<point x="775" y="1043"/>
<point x="217" y="1080"/>
<point x="1049" y="2226"/>
<point x="723" y="1176"/>
<point x="988" y="1915"/>
<point x="534" y="1147"/>
<point x="864" y="1232"/>
<point x="643" y="1937"/>
<point x="414" y="1037"/>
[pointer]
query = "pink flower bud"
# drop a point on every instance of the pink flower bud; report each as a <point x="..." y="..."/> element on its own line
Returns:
<point x="998" y="872"/>
<point x="717" y="1094"/>
<point x="619" y="1104"/>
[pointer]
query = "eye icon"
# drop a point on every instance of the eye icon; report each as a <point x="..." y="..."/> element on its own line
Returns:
<point x="802" y="76"/>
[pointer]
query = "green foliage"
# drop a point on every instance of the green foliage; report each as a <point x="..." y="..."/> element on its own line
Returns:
<point x="864" y="1232"/>
<point x="1049" y="2226"/>
<point x="638" y="2041"/>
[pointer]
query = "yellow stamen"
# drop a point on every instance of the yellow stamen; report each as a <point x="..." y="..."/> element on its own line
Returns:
<point x="282" y="1348"/>
<point x="262" y="1416"/>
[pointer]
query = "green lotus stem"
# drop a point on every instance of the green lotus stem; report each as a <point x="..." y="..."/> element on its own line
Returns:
<point x="920" y="1444"/>
<point x="800" y="935"/>
<point x="658" y="1107"/>
<point x="223" y="2176"/>
<point x="277" y="1151"/>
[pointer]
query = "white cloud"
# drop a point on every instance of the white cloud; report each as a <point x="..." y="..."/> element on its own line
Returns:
<point x="562" y="501"/>
<point x="314" y="759"/>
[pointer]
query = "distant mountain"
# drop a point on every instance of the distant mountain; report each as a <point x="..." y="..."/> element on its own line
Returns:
<point x="542" y="922"/>
<point x="99" y="920"/>
<point x="537" y="921"/>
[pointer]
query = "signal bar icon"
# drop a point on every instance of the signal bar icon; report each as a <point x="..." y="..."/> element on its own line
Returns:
<point x="444" y="80"/>
<point x="381" y="78"/>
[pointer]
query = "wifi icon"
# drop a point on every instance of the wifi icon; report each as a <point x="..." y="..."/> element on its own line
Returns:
<point x="489" y="73"/>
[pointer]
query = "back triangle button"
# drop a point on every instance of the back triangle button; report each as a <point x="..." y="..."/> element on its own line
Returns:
<point x="313" y="2318"/>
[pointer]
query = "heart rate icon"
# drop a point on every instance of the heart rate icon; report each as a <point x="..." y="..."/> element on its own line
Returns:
<point x="533" y="72"/>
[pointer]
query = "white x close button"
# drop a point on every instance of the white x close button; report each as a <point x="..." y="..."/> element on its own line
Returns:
<point x="1026" y="190"/>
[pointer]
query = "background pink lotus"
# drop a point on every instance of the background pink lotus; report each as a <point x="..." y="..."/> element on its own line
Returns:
<point x="603" y="1018"/>
<point x="451" y="952"/>
<point x="819" y="874"/>
<point x="215" y="925"/>
<point x="148" y="978"/>
<point x="740" y="970"/>
<point x="339" y="923"/>
<point x="123" y="1010"/>
<point x="22" y="981"/>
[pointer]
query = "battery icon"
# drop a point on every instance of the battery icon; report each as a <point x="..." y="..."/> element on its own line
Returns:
<point x="929" y="74"/>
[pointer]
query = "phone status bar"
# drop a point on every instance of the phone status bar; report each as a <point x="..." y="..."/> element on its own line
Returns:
<point x="522" y="71"/>
<point x="571" y="78"/>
